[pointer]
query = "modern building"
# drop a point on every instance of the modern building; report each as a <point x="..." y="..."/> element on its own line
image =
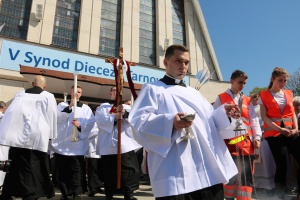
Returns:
<point x="55" y="38"/>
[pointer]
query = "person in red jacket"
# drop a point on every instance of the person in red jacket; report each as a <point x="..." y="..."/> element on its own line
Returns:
<point x="280" y="126"/>
<point x="241" y="147"/>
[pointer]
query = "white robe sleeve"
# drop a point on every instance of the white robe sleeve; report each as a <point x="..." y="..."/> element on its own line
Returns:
<point x="151" y="129"/>
<point x="87" y="122"/>
<point x="62" y="117"/>
<point x="52" y="116"/>
<point x="104" y="119"/>
<point x="225" y="127"/>
<point x="254" y="123"/>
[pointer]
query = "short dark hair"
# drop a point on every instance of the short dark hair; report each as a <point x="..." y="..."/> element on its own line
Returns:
<point x="78" y="86"/>
<point x="238" y="73"/>
<point x="2" y="104"/>
<point x="170" y="50"/>
<point x="111" y="89"/>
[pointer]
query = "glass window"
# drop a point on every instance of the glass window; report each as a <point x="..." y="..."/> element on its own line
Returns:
<point x="15" y="14"/>
<point x="110" y="28"/>
<point x="178" y="22"/>
<point x="65" y="33"/>
<point x="147" y="32"/>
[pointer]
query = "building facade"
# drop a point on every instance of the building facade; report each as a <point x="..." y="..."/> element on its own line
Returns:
<point x="76" y="35"/>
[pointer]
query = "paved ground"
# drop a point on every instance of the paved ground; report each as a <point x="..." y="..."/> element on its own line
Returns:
<point x="144" y="193"/>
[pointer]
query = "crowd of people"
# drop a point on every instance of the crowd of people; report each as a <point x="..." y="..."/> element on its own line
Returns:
<point x="195" y="150"/>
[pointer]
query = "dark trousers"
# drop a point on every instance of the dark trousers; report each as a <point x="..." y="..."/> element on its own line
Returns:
<point x="95" y="174"/>
<point x="214" y="192"/>
<point x="28" y="175"/>
<point x="279" y="145"/>
<point x="70" y="174"/>
<point x="129" y="173"/>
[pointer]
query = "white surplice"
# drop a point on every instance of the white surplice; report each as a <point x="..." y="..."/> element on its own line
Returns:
<point x="108" y="132"/>
<point x="63" y="143"/>
<point x="179" y="166"/>
<point x="30" y="121"/>
<point x="93" y="141"/>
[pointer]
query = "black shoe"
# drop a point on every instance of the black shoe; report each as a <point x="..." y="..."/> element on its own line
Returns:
<point x="76" y="197"/>
<point x="64" y="197"/>
<point x="92" y="193"/>
<point x="100" y="190"/>
<point x="109" y="198"/>
<point x="130" y="198"/>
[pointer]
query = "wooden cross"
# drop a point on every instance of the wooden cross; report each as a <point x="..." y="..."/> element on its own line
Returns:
<point x="120" y="80"/>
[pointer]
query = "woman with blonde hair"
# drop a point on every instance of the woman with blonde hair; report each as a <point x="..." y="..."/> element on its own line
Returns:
<point x="280" y="126"/>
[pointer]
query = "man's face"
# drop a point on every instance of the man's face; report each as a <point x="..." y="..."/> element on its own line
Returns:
<point x="113" y="93"/>
<point x="177" y="64"/>
<point x="3" y="109"/>
<point x="238" y="84"/>
<point x="296" y="107"/>
<point x="79" y="93"/>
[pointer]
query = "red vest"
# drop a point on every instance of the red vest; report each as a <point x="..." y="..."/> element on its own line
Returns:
<point x="245" y="146"/>
<point x="273" y="112"/>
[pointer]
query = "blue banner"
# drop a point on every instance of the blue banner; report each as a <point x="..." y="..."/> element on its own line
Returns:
<point x="15" y="53"/>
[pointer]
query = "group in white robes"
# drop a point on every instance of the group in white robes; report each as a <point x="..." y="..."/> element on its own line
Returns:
<point x="69" y="155"/>
<point x="178" y="166"/>
<point x="107" y="148"/>
<point x="27" y="126"/>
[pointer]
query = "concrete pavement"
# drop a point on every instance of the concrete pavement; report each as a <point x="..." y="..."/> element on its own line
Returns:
<point x="144" y="193"/>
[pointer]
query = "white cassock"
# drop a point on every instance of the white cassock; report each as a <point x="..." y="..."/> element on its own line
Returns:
<point x="93" y="140"/>
<point x="63" y="143"/>
<point x="179" y="166"/>
<point x="264" y="172"/>
<point x="30" y="121"/>
<point x="3" y="155"/>
<point x="108" y="132"/>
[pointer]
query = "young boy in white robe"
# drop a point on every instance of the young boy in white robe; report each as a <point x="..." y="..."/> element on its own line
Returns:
<point x="69" y="154"/>
<point x="107" y="148"/>
<point x="182" y="169"/>
<point x="27" y="126"/>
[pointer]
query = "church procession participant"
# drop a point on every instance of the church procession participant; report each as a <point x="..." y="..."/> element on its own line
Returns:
<point x="107" y="148"/>
<point x="3" y="149"/>
<point x="241" y="147"/>
<point x="69" y="154"/>
<point x="27" y="126"/>
<point x="280" y="126"/>
<point x="94" y="162"/>
<point x="179" y="169"/>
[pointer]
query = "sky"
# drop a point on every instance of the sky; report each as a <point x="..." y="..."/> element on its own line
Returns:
<point x="254" y="36"/>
